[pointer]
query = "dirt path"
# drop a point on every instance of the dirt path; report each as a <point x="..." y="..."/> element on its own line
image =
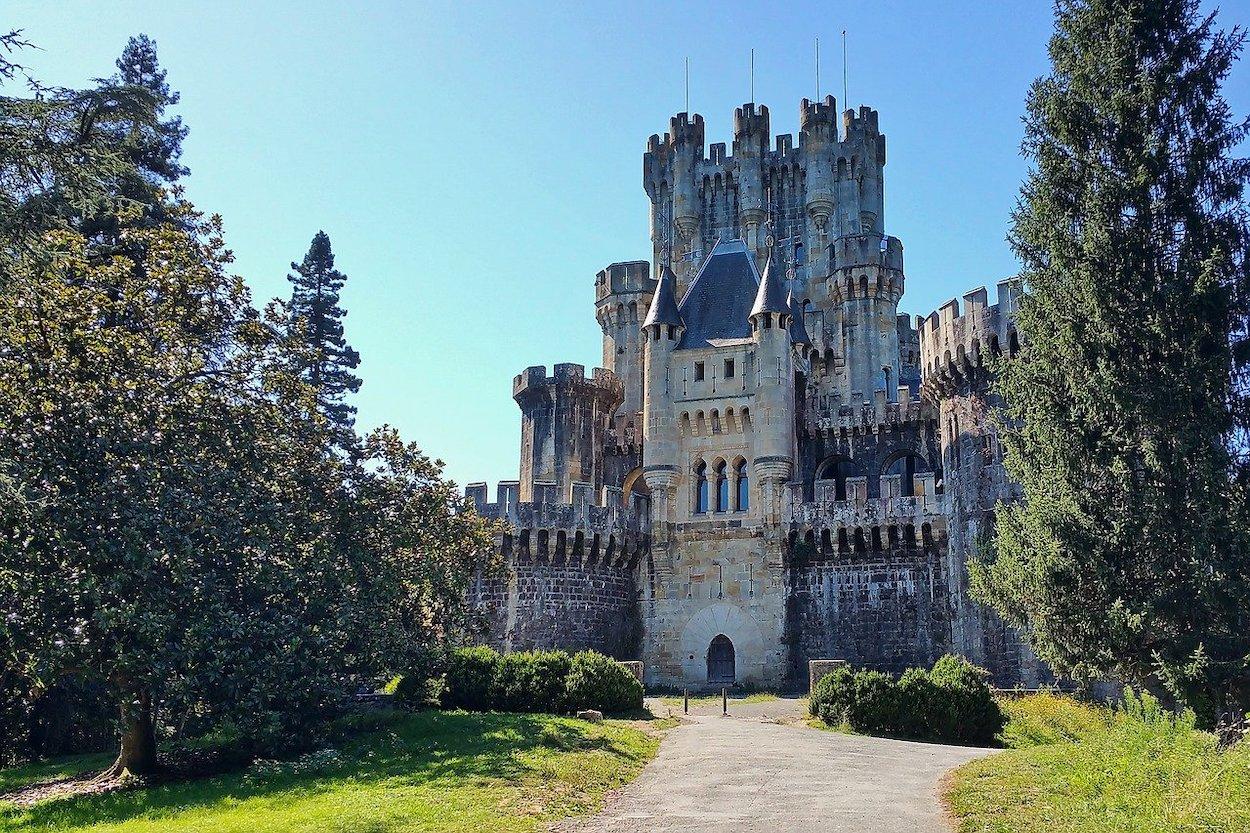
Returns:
<point x="749" y="772"/>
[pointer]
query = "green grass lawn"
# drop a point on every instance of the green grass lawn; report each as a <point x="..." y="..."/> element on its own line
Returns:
<point x="431" y="771"/>
<point x="1078" y="769"/>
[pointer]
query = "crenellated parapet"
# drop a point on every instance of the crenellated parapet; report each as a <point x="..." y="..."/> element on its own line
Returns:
<point x="955" y="346"/>
<point x="534" y="381"/>
<point x="870" y="416"/>
<point x="866" y="266"/>
<point x="859" y="523"/>
<point x="602" y="527"/>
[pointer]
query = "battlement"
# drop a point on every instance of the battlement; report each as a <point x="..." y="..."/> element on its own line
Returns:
<point x="534" y="379"/>
<point x="866" y="250"/>
<point x="923" y="513"/>
<point x="683" y="129"/>
<point x="605" y="513"/>
<point x="954" y="345"/>
<point x="869" y="416"/>
<point x="815" y="115"/>
<point x="632" y="276"/>
<point x="751" y="120"/>
<point x="860" y="125"/>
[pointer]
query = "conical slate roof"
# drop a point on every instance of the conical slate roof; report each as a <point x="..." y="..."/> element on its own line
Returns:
<point x="771" y="296"/>
<point x="664" y="302"/>
<point x="798" y="330"/>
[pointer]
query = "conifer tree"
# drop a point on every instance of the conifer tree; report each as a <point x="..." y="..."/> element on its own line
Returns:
<point x="327" y="360"/>
<point x="1129" y="553"/>
<point x="154" y="149"/>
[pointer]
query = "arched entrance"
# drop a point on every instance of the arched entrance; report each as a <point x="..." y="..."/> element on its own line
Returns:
<point x="720" y="661"/>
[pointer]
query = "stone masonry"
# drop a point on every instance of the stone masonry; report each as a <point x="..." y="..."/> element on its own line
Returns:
<point x="774" y="464"/>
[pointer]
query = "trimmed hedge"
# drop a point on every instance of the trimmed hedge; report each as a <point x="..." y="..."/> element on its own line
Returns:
<point x="599" y="682"/>
<point x="951" y="703"/>
<point x="481" y="679"/>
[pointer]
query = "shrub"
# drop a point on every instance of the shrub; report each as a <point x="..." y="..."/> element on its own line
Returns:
<point x="832" y="696"/>
<point x="965" y="710"/>
<point x="551" y="672"/>
<point x="471" y="675"/>
<point x="599" y="682"/>
<point x="875" y="708"/>
<point x="532" y="681"/>
<point x="951" y="703"/>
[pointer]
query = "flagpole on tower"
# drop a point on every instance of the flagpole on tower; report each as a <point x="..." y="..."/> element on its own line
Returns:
<point x="687" y="83"/>
<point x="752" y="74"/>
<point x="817" y="69"/>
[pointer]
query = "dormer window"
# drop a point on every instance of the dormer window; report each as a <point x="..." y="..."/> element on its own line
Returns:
<point x="698" y="371"/>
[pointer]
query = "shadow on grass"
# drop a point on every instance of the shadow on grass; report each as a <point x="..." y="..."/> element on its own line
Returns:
<point x="414" y="748"/>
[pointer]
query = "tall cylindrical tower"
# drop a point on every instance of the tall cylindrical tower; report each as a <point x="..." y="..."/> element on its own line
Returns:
<point x="818" y="134"/>
<point x="564" y="418"/>
<point x="622" y="297"/>
<point x="866" y="281"/>
<point x="773" y="409"/>
<point x="661" y="332"/>
<point x="750" y="149"/>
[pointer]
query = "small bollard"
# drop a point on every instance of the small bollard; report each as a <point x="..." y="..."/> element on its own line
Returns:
<point x="724" y="702"/>
<point x="685" y="701"/>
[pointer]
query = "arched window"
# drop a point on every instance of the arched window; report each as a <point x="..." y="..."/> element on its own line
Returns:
<point x="907" y="466"/>
<point x="743" y="501"/>
<point x="701" y="492"/>
<point x="722" y="488"/>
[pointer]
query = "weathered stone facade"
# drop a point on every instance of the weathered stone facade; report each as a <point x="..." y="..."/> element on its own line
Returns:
<point x="774" y="465"/>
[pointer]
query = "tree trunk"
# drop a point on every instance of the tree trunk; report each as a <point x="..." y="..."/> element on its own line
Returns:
<point x="138" y="747"/>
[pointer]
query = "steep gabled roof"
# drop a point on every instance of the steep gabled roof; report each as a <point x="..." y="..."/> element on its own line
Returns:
<point x="664" y="302"/>
<point x="717" y="304"/>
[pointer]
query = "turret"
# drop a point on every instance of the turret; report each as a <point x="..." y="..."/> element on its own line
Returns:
<point x="751" y="133"/>
<point x="860" y="174"/>
<point x="661" y="332"/>
<point x="866" y="281"/>
<point x="774" y="393"/>
<point x="564" y="419"/>
<point x="818" y="132"/>
<point x="623" y="293"/>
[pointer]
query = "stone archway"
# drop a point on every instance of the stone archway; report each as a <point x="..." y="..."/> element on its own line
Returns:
<point x="733" y="623"/>
<point x="721" y="668"/>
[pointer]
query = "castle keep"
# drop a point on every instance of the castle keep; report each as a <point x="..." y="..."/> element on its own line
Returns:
<point x="774" y="464"/>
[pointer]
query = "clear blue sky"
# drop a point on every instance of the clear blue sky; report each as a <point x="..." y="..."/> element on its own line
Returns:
<point x="476" y="164"/>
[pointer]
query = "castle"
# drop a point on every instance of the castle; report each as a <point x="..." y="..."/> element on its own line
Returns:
<point x="773" y="465"/>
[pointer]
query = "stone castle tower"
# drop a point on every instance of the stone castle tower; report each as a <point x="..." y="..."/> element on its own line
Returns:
<point x="774" y="465"/>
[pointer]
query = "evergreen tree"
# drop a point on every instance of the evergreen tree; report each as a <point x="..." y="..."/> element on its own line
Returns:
<point x="1129" y="553"/>
<point x="154" y="149"/>
<point x="327" y="360"/>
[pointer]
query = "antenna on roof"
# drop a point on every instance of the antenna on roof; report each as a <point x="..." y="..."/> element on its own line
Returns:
<point x="817" y="70"/>
<point x="752" y="74"/>
<point x="687" y="83"/>
<point x="846" y="100"/>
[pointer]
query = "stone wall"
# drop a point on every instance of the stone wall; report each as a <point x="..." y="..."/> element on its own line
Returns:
<point x="574" y="606"/>
<point x="883" y="610"/>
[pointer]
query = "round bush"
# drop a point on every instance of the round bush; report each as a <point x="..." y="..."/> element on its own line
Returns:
<point x="968" y="713"/>
<point x="599" y="682"/>
<point x="471" y="675"/>
<point x="920" y="707"/>
<point x="874" y="709"/>
<point x="832" y="696"/>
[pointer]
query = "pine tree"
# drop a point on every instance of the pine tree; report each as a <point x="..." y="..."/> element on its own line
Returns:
<point x="155" y="149"/>
<point x="317" y="325"/>
<point x="1129" y="554"/>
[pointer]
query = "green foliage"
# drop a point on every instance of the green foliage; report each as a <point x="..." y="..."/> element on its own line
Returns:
<point x="430" y="771"/>
<point x="875" y="706"/>
<point x="950" y="703"/>
<point x="471" y="674"/>
<point x="481" y="679"/>
<point x="1127" y="409"/>
<point x="599" y="682"/>
<point x="832" y="696"/>
<point x="1046" y="718"/>
<point x="325" y="361"/>
<point x="1080" y="769"/>
<point x="175" y="522"/>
